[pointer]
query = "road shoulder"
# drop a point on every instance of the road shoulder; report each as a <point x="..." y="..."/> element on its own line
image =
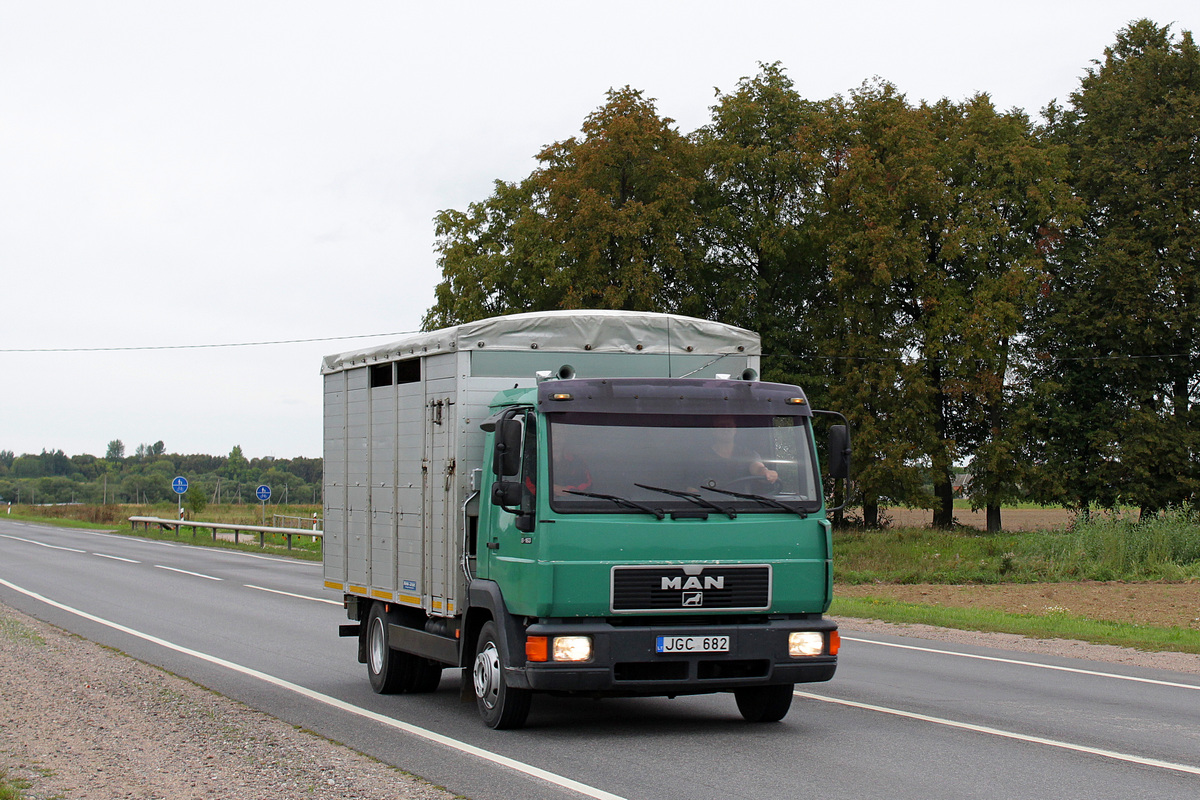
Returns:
<point x="81" y="720"/>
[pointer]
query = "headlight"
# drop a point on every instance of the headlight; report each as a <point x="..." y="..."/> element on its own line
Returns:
<point x="806" y="643"/>
<point x="572" y="648"/>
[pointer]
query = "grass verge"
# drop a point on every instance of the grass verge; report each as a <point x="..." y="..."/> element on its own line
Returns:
<point x="12" y="788"/>
<point x="1053" y="626"/>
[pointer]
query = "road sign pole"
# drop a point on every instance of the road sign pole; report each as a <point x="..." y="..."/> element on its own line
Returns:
<point x="180" y="485"/>
<point x="263" y="493"/>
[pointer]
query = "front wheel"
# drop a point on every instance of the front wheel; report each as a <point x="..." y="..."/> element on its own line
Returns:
<point x="501" y="706"/>
<point x="764" y="703"/>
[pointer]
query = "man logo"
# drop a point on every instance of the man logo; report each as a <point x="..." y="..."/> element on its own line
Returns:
<point x="693" y="598"/>
<point x="710" y="582"/>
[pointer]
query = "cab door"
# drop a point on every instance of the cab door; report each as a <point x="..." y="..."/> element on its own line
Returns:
<point x="508" y="544"/>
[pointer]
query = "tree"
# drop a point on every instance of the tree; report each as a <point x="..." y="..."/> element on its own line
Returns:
<point x="1119" y="341"/>
<point x="606" y="222"/>
<point x="882" y="177"/>
<point x="196" y="499"/>
<point x="236" y="467"/>
<point x="762" y="201"/>
<point x="116" y="450"/>
<point x="1004" y="200"/>
<point x="940" y="219"/>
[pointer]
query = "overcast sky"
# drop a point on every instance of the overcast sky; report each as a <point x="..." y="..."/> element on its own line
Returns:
<point x="196" y="173"/>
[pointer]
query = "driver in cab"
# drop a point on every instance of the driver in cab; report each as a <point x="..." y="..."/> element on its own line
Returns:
<point x="729" y="462"/>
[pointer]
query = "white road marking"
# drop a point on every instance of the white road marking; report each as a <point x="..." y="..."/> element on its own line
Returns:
<point x="1020" y="737"/>
<point x="42" y="544"/>
<point x="186" y="572"/>
<point x="117" y="558"/>
<point x="341" y="705"/>
<point x="1019" y="663"/>
<point x="291" y="594"/>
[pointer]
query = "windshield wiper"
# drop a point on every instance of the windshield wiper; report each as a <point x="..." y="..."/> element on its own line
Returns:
<point x="691" y="497"/>
<point x="771" y="502"/>
<point x="621" y="501"/>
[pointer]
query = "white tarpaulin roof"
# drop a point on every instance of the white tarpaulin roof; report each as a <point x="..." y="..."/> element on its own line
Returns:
<point x="566" y="331"/>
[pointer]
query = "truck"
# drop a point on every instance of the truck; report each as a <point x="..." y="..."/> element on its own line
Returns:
<point x="580" y="503"/>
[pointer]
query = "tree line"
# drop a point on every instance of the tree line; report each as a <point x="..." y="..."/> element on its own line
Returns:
<point x="52" y="477"/>
<point x="969" y="285"/>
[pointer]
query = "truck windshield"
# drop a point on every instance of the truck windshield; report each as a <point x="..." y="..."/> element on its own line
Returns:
<point x="629" y="455"/>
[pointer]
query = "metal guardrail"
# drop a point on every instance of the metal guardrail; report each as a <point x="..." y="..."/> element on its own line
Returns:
<point x="261" y="530"/>
<point x="316" y="522"/>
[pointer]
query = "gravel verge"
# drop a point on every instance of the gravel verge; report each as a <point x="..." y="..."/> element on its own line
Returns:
<point x="78" y="720"/>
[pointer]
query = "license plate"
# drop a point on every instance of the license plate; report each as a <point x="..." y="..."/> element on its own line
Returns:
<point x="693" y="644"/>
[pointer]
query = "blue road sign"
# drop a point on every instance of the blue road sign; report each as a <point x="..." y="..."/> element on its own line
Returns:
<point x="179" y="485"/>
<point x="263" y="492"/>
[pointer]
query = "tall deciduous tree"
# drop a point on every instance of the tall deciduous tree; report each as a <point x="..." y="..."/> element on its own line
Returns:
<point x="766" y="157"/>
<point x="607" y="221"/>
<point x="1121" y="332"/>
<point x="882" y="179"/>
<point x="943" y="215"/>
<point x="1003" y="199"/>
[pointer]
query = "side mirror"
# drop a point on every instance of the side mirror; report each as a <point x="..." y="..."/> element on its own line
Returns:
<point x="839" y="452"/>
<point x="507" y="495"/>
<point x="506" y="460"/>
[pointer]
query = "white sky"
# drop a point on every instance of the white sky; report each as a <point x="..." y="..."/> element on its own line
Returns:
<point x="186" y="173"/>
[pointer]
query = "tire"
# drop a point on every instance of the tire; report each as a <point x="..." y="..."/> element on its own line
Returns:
<point x="501" y="706"/>
<point x="764" y="703"/>
<point x="421" y="675"/>
<point x="383" y="667"/>
<point x="395" y="671"/>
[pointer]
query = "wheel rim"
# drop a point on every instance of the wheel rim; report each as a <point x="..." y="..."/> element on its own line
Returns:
<point x="378" y="646"/>
<point x="487" y="675"/>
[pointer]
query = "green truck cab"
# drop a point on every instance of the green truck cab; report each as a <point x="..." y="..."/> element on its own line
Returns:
<point x="597" y="534"/>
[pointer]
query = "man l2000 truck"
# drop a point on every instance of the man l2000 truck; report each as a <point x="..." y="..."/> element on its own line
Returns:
<point x="589" y="503"/>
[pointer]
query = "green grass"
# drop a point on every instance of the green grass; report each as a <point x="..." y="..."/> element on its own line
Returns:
<point x="1052" y="626"/>
<point x="14" y="631"/>
<point x="12" y="788"/>
<point x="1166" y="548"/>
<point x="1105" y="548"/>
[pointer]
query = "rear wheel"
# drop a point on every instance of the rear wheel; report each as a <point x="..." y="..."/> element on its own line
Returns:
<point x="500" y="705"/>
<point x="394" y="671"/>
<point x="423" y="675"/>
<point x="383" y="667"/>
<point x="764" y="703"/>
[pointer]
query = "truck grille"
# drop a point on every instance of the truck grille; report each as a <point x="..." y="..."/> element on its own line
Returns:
<point x="663" y="588"/>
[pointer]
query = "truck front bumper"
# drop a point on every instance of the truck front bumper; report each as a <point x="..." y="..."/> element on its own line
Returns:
<point x="625" y="659"/>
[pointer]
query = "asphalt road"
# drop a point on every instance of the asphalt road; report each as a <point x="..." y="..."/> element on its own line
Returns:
<point x="903" y="718"/>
